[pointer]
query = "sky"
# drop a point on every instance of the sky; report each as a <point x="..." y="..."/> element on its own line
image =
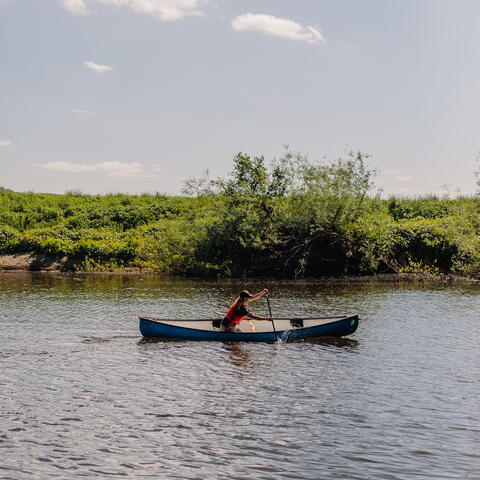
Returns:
<point x="138" y="95"/>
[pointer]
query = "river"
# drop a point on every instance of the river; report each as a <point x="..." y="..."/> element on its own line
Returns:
<point x="83" y="396"/>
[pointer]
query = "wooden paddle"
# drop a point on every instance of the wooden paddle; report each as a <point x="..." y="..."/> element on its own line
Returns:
<point x="270" y="310"/>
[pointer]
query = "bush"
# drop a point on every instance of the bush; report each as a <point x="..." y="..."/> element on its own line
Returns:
<point x="9" y="239"/>
<point x="290" y="217"/>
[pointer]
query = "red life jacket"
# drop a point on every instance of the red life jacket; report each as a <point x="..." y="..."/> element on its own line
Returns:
<point x="233" y="314"/>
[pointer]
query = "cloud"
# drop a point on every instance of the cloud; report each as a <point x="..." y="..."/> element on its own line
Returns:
<point x="77" y="7"/>
<point x="82" y="111"/>
<point x="403" y="179"/>
<point x="6" y="143"/>
<point x="111" y="169"/>
<point x="98" y="68"/>
<point x="166" y="10"/>
<point x="276" y="27"/>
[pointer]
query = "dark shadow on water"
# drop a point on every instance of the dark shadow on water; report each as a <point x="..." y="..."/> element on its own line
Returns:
<point x="92" y="339"/>
<point x="340" y="342"/>
<point x="156" y="343"/>
<point x="146" y="340"/>
<point x="96" y="340"/>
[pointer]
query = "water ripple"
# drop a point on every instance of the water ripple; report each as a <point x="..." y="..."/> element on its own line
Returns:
<point x="82" y="395"/>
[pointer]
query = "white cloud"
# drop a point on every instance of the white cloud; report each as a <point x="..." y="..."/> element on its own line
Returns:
<point x="403" y="179"/>
<point x="6" y="143"/>
<point x="83" y="111"/>
<point x="276" y="27"/>
<point x="167" y="10"/>
<point x="98" y="68"/>
<point x="77" y="7"/>
<point x="111" y="169"/>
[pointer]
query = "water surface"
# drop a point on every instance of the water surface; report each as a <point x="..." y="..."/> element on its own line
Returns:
<point x="82" y="395"/>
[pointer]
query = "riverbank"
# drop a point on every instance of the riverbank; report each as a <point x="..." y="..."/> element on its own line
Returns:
<point x="32" y="262"/>
<point x="21" y="263"/>
<point x="327" y="224"/>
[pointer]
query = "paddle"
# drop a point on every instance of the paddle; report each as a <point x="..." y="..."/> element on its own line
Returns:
<point x="270" y="310"/>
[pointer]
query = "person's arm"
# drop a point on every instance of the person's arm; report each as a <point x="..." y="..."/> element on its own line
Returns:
<point x="259" y="294"/>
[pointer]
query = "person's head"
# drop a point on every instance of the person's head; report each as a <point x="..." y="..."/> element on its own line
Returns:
<point x="244" y="297"/>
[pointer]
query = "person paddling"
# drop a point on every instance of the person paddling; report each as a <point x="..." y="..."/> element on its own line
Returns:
<point x="239" y="310"/>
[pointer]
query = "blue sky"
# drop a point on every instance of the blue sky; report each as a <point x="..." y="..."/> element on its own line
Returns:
<point x="137" y="95"/>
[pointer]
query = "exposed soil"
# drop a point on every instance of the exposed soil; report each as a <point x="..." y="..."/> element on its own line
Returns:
<point x="35" y="262"/>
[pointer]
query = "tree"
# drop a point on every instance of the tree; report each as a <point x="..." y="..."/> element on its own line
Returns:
<point x="327" y="200"/>
<point x="288" y="217"/>
<point x="241" y="241"/>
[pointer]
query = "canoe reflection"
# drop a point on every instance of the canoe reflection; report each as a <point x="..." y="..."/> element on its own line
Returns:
<point x="239" y="357"/>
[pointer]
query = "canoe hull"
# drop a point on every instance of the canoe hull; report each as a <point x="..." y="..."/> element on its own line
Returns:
<point x="338" y="327"/>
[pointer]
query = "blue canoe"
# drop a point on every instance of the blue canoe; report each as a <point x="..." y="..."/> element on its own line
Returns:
<point x="287" y="329"/>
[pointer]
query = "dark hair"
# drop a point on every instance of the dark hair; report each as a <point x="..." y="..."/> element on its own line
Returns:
<point x="245" y="294"/>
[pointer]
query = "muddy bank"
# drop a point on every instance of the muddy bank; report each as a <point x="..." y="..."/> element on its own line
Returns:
<point x="32" y="262"/>
<point x="36" y="262"/>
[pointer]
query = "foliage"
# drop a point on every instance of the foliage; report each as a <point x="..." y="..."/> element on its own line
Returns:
<point x="289" y="217"/>
<point x="427" y="207"/>
<point x="112" y="231"/>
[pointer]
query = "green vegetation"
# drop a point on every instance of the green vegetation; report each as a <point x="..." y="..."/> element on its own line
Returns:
<point x="293" y="217"/>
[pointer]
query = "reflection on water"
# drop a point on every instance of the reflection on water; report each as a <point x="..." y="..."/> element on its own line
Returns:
<point x="239" y="356"/>
<point x="83" y="395"/>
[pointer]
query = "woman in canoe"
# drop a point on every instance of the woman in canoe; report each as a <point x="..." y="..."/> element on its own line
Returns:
<point x="239" y="310"/>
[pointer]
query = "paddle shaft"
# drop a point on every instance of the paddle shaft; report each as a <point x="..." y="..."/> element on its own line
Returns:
<point x="270" y="310"/>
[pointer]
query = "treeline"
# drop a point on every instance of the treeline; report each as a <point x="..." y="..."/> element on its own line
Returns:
<point x="293" y="217"/>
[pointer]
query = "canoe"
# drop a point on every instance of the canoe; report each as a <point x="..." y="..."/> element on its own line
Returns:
<point x="287" y="329"/>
